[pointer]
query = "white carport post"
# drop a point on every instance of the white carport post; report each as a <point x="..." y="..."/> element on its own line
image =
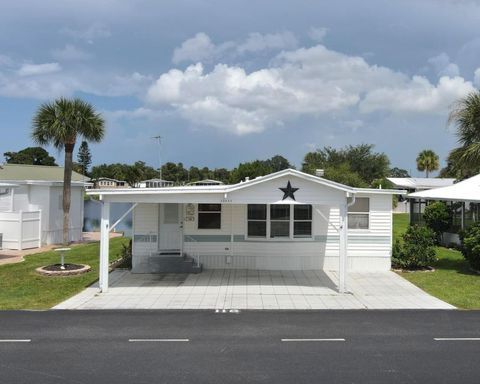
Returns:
<point x="104" y="246"/>
<point x="343" y="245"/>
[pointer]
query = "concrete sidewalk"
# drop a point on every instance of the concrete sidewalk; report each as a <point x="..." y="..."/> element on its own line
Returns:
<point x="251" y="289"/>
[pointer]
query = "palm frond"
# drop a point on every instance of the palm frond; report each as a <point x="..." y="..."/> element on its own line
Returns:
<point x="60" y="122"/>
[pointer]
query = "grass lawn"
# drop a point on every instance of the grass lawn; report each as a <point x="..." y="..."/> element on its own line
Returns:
<point x="452" y="280"/>
<point x="22" y="288"/>
<point x="400" y="225"/>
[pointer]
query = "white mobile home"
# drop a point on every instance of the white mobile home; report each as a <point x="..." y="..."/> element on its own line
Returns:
<point x="287" y="220"/>
<point x="31" y="211"/>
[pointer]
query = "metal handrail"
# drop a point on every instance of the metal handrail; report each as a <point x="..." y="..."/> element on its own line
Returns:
<point x="195" y="254"/>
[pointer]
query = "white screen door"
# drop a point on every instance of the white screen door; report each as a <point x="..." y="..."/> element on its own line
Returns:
<point x="170" y="227"/>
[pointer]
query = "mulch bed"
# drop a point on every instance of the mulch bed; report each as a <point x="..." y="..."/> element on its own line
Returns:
<point x="58" y="267"/>
<point x="70" y="269"/>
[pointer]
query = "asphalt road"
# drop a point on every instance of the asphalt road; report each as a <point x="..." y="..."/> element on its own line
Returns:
<point x="267" y="347"/>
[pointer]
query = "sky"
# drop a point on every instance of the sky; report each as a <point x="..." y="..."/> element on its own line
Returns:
<point x="225" y="81"/>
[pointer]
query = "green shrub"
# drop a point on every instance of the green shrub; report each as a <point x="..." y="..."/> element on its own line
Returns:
<point x="397" y="254"/>
<point x="471" y="245"/>
<point x="126" y="256"/>
<point x="438" y="218"/>
<point x="417" y="250"/>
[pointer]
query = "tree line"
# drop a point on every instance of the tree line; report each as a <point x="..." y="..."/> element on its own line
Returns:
<point x="358" y="166"/>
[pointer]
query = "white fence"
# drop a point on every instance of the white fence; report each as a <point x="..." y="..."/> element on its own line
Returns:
<point x="21" y="230"/>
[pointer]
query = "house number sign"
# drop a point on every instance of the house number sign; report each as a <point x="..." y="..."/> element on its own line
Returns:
<point x="190" y="212"/>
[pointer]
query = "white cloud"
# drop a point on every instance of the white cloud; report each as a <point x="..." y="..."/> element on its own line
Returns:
<point x="50" y="80"/>
<point x="443" y="66"/>
<point x="418" y="95"/>
<point x="317" y="34"/>
<point x="137" y="113"/>
<point x="121" y="85"/>
<point x="354" y="125"/>
<point x="198" y="48"/>
<point x="300" y="82"/>
<point x="38" y="69"/>
<point x="5" y="60"/>
<point x="70" y="53"/>
<point x="41" y="87"/>
<point x="257" y="42"/>
<point x="476" y="78"/>
<point x="202" y="48"/>
<point x="88" y="34"/>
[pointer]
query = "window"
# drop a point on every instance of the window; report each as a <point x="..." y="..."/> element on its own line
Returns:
<point x="279" y="221"/>
<point x="359" y="214"/>
<point x="257" y="220"/>
<point x="302" y="224"/>
<point x="170" y="213"/>
<point x="209" y="216"/>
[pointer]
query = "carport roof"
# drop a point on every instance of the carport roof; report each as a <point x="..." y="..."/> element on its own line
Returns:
<point x="223" y="189"/>
<point x="466" y="190"/>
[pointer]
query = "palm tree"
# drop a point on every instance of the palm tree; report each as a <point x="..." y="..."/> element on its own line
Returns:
<point x="427" y="161"/>
<point x="465" y="115"/>
<point x="61" y="123"/>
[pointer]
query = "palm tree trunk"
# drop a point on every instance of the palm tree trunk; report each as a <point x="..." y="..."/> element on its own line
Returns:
<point x="67" y="186"/>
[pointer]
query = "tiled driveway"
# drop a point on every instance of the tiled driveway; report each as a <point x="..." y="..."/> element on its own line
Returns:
<point x="248" y="289"/>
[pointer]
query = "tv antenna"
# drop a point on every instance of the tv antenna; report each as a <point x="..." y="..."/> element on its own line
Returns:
<point x="159" y="140"/>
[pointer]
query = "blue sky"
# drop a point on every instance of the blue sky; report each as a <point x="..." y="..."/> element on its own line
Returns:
<point x="231" y="81"/>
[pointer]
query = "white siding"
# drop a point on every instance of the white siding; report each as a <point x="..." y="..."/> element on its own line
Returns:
<point x="48" y="200"/>
<point x="228" y="247"/>
<point x="5" y="199"/>
<point x="21" y="199"/>
<point x="53" y="230"/>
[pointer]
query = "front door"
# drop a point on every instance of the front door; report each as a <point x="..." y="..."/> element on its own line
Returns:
<point x="170" y="228"/>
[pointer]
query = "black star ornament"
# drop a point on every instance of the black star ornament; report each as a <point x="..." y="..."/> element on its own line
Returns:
<point x="288" y="191"/>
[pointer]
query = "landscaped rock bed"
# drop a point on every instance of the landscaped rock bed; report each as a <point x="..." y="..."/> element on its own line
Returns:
<point x="69" y="269"/>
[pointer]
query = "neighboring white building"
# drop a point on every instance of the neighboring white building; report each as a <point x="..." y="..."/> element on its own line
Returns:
<point x="415" y="184"/>
<point x="106" y="182"/>
<point x="287" y="220"/>
<point x="31" y="212"/>
<point x="206" y="182"/>
<point x="154" y="183"/>
<point x="463" y="198"/>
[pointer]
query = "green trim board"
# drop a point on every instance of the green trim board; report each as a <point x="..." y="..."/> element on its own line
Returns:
<point x="318" y="238"/>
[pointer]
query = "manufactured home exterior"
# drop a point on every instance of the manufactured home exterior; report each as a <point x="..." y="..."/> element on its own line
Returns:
<point x="287" y="220"/>
<point x="231" y="247"/>
<point x="31" y="206"/>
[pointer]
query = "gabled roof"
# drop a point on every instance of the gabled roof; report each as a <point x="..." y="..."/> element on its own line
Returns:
<point x="420" y="182"/>
<point x="156" y="180"/>
<point x="466" y="190"/>
<point x="206" y="182"/>
<point x="108" y="178"/>
<point x="35" y="173"/>
<point x="291" y="172"/>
